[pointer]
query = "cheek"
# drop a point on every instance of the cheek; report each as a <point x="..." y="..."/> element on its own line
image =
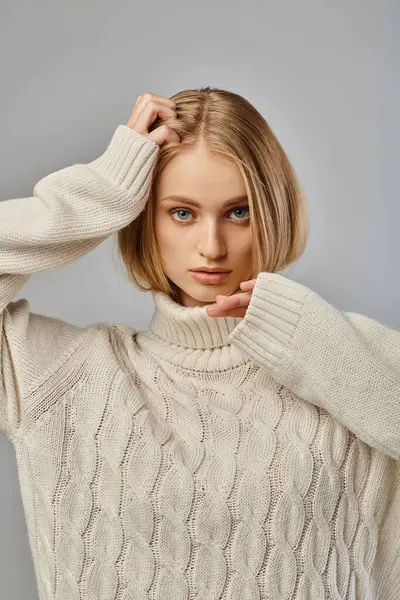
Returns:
<point x="241" y="243"/>
<point x="166" y="235"/>
<point x="161" y="227"/>
<point x="169" y="233"/>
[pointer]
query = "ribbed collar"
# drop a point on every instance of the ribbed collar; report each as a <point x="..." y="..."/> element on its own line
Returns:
<point x="189" y="327"/>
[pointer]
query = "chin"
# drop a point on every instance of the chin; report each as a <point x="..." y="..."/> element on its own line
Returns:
<point x="199" y="294"/>
<point x="204" y="294"/>
<point x="208" y="293"/>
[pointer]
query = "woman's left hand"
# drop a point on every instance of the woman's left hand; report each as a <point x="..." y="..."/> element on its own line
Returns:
<point x="235" y="305"/>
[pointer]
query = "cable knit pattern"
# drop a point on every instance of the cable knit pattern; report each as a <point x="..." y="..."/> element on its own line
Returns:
<point x="206" y="458"/>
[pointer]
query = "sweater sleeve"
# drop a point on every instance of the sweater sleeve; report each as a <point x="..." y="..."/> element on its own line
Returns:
<point x="70" y="213"/>
<point x="343" y="362"/>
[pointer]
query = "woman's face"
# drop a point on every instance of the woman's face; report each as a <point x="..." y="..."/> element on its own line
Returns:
<point x="212" y="234"/>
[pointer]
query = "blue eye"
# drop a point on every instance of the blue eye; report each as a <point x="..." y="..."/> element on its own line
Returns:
<point x="185" y="210"/>
<point x="180" y="210"/>
<point x="242" y="208"/>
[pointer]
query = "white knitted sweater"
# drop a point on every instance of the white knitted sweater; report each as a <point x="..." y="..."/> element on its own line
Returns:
<point x="207" y="458"/>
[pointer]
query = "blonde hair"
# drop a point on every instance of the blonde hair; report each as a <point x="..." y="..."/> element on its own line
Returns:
<point x="228" y="124"/>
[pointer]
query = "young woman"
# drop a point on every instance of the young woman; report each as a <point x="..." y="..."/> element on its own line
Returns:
<point x="247" y="445"/>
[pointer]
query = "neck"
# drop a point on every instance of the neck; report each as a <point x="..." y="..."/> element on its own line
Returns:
<point x="190" y="326"/>
<point x="188" y="338"/>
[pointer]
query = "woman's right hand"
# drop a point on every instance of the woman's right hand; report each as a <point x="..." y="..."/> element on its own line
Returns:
<point x="147" y="109"/>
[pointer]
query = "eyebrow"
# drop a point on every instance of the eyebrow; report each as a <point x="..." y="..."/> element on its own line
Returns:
<point x="177" y="198"/>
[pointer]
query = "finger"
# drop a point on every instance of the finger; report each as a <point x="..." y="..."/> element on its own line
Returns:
<point x="149" y="97"/>
<point x="168" y="101"/>
<point x="248" y="285"/>
<point x="164" y="134"/>
<point x="234" y="301"/>
<point x="148" y="104"/>
<point x="149" y="113"/>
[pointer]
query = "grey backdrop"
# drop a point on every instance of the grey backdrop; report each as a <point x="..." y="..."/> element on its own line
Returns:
<point x="325" y="76"/>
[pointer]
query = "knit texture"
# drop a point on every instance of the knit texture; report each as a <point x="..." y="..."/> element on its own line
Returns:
<point x="208" y="457"/>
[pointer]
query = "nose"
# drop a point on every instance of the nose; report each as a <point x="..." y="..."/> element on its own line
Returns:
<point x="211" y="243"/>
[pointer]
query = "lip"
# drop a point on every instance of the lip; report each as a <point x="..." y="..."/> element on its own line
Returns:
<point x="210" y="270"/>
<point x="210" y="278"/>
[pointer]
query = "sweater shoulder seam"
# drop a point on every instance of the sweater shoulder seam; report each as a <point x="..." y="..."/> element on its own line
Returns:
<point x="51" y="372"/>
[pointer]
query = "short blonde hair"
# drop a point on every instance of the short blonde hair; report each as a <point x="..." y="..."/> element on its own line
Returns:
<point x="229" y="125"/>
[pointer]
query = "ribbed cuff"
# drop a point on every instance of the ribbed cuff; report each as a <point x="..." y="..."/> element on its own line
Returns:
<point x="275" y="307"/>
<point x="127" y="154"/>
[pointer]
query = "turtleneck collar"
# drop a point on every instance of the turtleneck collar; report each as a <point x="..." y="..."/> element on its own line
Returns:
<point x="187" y="338"/>
<point x="189" y="326"/>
